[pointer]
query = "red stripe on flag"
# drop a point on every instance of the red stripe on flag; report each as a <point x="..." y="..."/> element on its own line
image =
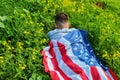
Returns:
<point x="113" y="74"/>
<point x="70" y="63"/>
<point x="95" y="73"/>
<point x="54" y="75"/>
<point x="55" y="64"/>
<point x="45" y="61"/>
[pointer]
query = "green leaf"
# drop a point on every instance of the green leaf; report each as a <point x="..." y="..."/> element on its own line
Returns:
<point x="25" y="10"/>
<point x="3" y="18"/>
<point x="35" y="77"/>
<point x="2" y="25"/>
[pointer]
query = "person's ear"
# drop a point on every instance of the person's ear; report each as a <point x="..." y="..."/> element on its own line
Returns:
<point x="55" y="25"/>
<point x="69" y="24"/>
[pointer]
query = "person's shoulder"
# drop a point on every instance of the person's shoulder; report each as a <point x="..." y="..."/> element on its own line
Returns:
<point x="72" y="29"/>
<point x="81" y="31"/>
<point x="61" y="30"/>
<point x="51" y="32"/>
<point x="78" y="30"/>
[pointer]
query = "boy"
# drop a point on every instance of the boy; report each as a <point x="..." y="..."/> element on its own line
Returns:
<point x="69" y="55"/>
<point x="62" y="26"/>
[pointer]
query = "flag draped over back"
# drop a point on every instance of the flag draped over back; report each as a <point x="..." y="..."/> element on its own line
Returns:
<point x="72" y="58"/>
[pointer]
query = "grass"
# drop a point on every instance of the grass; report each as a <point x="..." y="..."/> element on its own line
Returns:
<point x="25" y="23"/>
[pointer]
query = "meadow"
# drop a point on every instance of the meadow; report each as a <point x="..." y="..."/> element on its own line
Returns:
<point x="23" y="33"/>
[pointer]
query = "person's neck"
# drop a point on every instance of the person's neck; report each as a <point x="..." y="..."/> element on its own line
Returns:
<point x="65" y="26"/>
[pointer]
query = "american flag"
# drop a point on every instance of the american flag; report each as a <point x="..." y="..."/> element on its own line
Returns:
<point x="61" y="60"/>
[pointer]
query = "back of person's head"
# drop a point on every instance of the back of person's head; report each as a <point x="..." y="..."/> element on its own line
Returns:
<point x="61" y="19"/>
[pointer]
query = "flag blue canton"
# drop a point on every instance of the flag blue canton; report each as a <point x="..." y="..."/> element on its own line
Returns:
<point x="81" y="48"/>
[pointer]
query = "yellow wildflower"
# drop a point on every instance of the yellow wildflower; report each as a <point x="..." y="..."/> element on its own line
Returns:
<point x="12" y="47"/>
<point x="8" y="47"/>
<point x="1" y="61"/>
<point x="5" y="43"/>
<point x="56" y="6"/>
<point x="26" y="32"/>
<point x="35" y="51"/>
<point x="78" y="10"/>
<point x="1" y="57"/>
<point x="22" y="66"/>
<point x="41" y="24"/>
<point x="44" y="1"/>
<point x="73" y="10"/>
<point x="44" y="40"/>
<point x="110" y="15"/>
<point x="39" y="30"/>
<point x="20" y="44"/>
<point x="82" y="7"/>
<point x="33" y="57"/>
<point x="116" y="33"/>
<point x="94" y="8"/>
<point x="67" y="3"/>
<point x="115" y="56"/>
<point x="50" y="1"/>
<point x="105" y="54"/>
<point x="22" y="15"/>
<point x="108" y="27"/>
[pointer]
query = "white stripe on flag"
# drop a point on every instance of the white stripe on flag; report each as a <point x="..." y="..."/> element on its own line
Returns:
<point x="46" y="52"/>
<point x="101" y="73"/>
<point x="50" y="65"/>
<point x="61" y="78"/>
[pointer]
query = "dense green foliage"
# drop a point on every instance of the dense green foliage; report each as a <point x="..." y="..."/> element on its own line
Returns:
<point x="25" y="23"/>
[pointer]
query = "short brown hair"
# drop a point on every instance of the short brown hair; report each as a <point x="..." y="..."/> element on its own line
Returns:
<point x="61" y="18"/>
